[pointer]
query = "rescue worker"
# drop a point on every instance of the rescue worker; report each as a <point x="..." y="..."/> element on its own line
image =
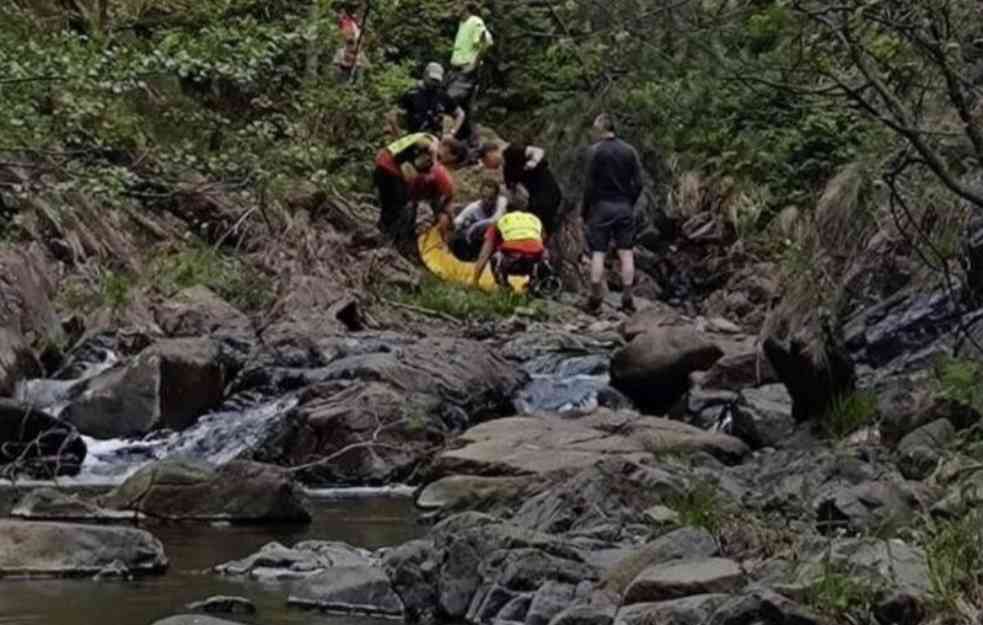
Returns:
<point x="514" y="245"/>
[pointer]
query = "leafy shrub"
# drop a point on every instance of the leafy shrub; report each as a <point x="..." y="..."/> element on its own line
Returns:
<point x="961" y="380"/>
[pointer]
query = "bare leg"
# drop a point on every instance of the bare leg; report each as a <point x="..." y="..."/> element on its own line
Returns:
<point x="596" y="282"/>
<point x="627" y="279"/>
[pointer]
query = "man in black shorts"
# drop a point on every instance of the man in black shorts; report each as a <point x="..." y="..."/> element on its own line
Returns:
<point x="424" y="106"/>
<point x="613" y="185"/>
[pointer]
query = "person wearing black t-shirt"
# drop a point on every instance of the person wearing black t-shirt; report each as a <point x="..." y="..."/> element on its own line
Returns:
<point x="423" y="107"/>
<point x="526" y="165"/>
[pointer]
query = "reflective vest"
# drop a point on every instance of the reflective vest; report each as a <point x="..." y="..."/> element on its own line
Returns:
<point x="517" y="226"/>
<point x="399" y="146"/>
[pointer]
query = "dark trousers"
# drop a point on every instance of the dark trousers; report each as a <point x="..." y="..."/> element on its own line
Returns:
<point x="397" y="217"/>
<point x="462" y="87"/>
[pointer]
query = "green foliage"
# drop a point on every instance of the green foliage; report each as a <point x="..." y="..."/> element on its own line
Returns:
<point x="467" y="303"/>
<point x="954" y="551"/>
<point x="700" y="506"/>
<point x="226" y="275"/>
<point x="839" y="593"/>
<point x="848" y="413"/>
<point x="115" y="290"/>
<point x="961" y="381"/>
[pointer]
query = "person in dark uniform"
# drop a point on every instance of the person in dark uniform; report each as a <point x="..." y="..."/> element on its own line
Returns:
<point x="527" y="165"/>
<point x="423" y="107"/>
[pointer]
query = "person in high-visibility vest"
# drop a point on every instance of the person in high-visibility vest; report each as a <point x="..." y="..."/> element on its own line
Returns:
<point x="408" y="171"/>
<point x="515" y="244"/>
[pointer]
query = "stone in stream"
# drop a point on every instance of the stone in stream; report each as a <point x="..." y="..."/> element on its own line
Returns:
<point x="654" y="368"/>
<point x="69" y="550"/>
<point x="349" y="590"/>
<point x="684" y="578"/>
<point x="166" y="386"/>
<point x="49" y="504"/>
<point x="223" y="605"/>
<point x="38" y="443"/>
<point x="182" y="489"/>
<point x="378" y="415"/>
<point x="197" y="311"/>
<point x="305" y="559"/>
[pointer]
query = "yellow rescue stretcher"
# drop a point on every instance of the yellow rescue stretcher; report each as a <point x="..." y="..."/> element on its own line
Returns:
<point x="439" y="259"/>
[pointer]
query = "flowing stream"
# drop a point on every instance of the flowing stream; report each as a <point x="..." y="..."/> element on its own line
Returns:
<point x="560" y="382"/>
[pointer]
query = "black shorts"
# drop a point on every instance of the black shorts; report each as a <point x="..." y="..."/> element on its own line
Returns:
<point x="610" y="221"/>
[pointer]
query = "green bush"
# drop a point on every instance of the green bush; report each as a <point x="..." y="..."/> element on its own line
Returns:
<point x="961" y="380"/>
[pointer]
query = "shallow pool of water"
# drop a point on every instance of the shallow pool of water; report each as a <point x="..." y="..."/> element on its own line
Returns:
<point x="369" y="522"/>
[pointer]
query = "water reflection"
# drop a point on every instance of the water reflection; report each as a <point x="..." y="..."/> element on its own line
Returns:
<point x="367" y="522"/>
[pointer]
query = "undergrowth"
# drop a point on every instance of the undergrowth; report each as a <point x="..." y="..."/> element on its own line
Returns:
<point x="960" y="380"/>
<point x="848" y="413"/>
<point x="462" y="302"/>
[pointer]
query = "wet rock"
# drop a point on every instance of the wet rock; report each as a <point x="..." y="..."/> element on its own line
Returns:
<point x="49" y="504"/>
<point x="223" y="605"/>
<point x="274" y="561"/>
<point x="694" y="610"/>
<point x="197" y="311"/>
<point x="920" y="452"/>
<point x="114" y="570"/>
<point x="412" y="569"/>
<point x="654" y="368"/>
<point x="687" y="543"/>
<point x="376" y="415"/>
<point x="459" y="491"/>
<point x="37" y="443"/>
<point x="67" y="550"/>
<point x="350" y="590"/>
<point x="240" y="491"/>
<point x="167" y="386"/>
<point x="17" y="361"/>
<point x="683" y="579"/>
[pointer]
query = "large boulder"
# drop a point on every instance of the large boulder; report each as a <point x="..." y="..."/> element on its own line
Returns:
<point x="684" y="544"/>
<point x="654" y="368"/>
<point x="37" y="443"/>
<point x="167" y="386"/>
<point x="375" y="415"/>
<point x="240" y="491"/>
<point x="17" y="361"/>
<point x="353" y="589"/>
<point x="197" y="311"/>
<point x="25" y="304"/>
<point x="49" y="504"/>
<point x="305" y="559"/>
<point x="66" y="550"/>
<point x="543" y="444"/>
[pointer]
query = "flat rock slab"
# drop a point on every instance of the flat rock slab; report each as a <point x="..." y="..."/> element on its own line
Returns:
<point x="546" y="443"/>
<point x="49" y="504"/>
<point x="683" y="579"/>
<point x="693" y="610"/>
<point x="305" y="559"/>
<point x="458" y="490"/>
<point x="350" y="590"/>
<point x="68" y="550"/>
